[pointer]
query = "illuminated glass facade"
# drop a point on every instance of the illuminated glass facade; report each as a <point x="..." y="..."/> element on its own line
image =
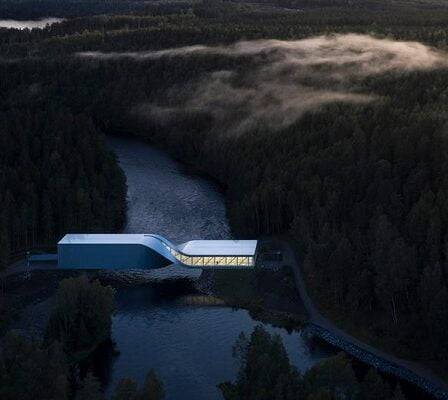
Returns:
<point x="211" y="261"/>
<point x="144" y="251"/>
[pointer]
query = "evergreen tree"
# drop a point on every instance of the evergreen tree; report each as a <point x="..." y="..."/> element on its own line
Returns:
<point x="334" y="374"/>
<point x="90" y="389"/>
<point x="359" y="183"/>
<point x="4" y="248"/>
<point x="30" y="371"/>
<point x="45" y="150"/>
<point x="126" y="389"/>
<point x="153" y="388"/>
<point x="82" y="317"/>
<point x="265" y="371"/>
<point x="398" y="394"/>
<point x="320" y="394"/>
<point x="373" y="387"/>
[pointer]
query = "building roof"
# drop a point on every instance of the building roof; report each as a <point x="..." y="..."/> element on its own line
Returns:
<point x="194" y="247"/>
<point x="102" y="238"/>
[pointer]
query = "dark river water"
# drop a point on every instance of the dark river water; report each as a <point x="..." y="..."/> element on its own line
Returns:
<point x="190" y="347"/>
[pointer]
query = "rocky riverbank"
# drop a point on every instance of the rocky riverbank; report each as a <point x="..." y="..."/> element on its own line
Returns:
<point x="376" y="362"/>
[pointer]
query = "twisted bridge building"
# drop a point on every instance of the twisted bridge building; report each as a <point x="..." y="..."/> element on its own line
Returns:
<point x="147" y="251"/>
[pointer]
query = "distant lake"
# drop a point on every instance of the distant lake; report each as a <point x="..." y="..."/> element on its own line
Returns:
<point x="41" y="23"/>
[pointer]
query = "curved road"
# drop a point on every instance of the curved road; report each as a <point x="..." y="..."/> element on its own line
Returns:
<point x="317" y="319"/>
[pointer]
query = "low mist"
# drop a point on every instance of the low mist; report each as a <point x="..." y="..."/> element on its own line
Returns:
<point x="290" y="78"/>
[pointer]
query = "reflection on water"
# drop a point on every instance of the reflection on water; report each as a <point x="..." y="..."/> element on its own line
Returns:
<point x="164" y="325"/>
<point x="165" y="200"/>
<point x="41" y="23"/>
<point x="189" y="345"/>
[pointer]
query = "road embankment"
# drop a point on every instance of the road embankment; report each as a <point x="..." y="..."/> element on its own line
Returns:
<point x="322" y="327"/>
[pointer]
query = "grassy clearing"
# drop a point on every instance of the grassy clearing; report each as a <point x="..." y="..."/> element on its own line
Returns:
<point x="237" y="288"/>
<point x="245" y="289"/>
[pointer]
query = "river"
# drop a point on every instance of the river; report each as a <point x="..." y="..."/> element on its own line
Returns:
<point x="189" y="346"/>
<point x="30" y="24"/>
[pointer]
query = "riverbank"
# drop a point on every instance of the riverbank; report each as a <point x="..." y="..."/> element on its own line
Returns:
<point x="368" y="336"/>
<point x="21" y="290"/>
<point x="267" y="294"/>
<point x="412" y="372"/>
<point x="196" y="209"/>
<point x="344" y="331"/>
<point x="239" y="292"/>
<point x="164" y="197"/>
<point x="290" y="276"/>
<point x="249" y="290"/>
<point x="241" y="289"/>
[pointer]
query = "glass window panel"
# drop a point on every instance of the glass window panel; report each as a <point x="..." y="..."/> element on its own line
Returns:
<point x="209" y="261"/>
<point x="219" y="260"/>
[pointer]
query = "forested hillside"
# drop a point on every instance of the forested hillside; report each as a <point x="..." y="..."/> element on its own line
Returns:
<point x="353" y="169"/>
<point x="57" y="175"/>
<point x="30" y="9"/>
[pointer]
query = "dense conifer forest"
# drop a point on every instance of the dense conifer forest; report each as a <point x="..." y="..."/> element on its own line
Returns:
<point x="57" y="176"/>
<point x="32" y="369"/>
<point x="266" y="373"/>
<point x="30" y="9"/>
<point x="359" y="185"/>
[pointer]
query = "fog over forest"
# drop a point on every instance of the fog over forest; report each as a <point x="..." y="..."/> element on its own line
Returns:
<point x="288" y="79"/>
<point x="324" y="122"/>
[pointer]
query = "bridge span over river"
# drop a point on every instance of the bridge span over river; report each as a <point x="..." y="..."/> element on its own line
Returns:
<point x="149" y="251"/>
<point x="136" y="251"/>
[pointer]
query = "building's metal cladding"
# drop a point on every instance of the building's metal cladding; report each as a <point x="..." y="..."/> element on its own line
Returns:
<point x="141" y="251"/>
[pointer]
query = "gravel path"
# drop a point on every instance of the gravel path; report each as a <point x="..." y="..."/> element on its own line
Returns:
<point x="325" y="329"/>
